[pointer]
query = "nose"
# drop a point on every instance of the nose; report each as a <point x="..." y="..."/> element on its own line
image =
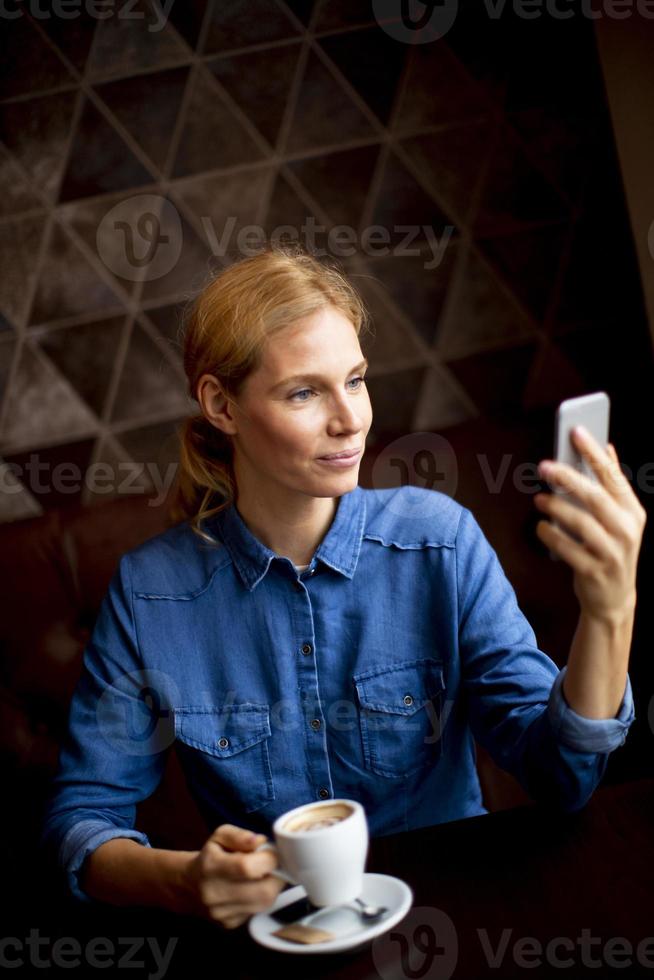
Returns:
<point x="346" y="417"/>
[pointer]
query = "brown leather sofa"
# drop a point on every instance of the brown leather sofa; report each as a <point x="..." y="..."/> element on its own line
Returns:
<point x="55" y="570"/>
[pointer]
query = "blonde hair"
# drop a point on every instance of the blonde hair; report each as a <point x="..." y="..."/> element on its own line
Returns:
<point x="225" y="331"/>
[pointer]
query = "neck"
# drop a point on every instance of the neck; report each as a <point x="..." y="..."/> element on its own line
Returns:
<point x="290" y="528"/>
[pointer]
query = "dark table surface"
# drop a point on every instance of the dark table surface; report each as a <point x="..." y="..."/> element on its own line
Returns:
<point x="527" y="892"/>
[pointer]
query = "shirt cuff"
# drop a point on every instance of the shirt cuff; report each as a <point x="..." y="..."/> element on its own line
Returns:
<point x="83" y="838"/>
<point x="588" y="734"/>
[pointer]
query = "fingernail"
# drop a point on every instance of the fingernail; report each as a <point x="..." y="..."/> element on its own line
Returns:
<point x="581" y="431"/>
<point x="545" y="466"/>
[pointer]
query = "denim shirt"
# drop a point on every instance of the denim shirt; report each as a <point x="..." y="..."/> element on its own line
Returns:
<point x="367" y="676"/>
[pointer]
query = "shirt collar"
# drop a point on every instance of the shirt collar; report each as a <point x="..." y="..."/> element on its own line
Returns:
<point x="339" y="548"/>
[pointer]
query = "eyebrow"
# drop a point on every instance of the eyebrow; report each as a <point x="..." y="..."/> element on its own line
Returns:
<point x="315" y="377"/>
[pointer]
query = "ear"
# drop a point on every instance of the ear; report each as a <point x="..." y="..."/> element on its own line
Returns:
<point x="215" y="405"/>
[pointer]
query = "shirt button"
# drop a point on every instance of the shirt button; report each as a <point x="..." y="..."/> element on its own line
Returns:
<point x="407" y="699"/>
<point x="223" y="743"/>
<point x="315" y="724"/>
<point x="323" y="793"/>
<point x="306" y="649"/>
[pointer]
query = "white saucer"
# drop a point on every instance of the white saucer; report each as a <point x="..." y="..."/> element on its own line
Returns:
<point x="344" y="922"/>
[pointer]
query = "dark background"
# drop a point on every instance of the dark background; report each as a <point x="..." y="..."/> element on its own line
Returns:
<point x="270" y="112"/>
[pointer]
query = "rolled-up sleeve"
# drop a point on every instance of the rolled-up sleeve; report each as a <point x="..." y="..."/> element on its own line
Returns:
<point x="589" y="734"/>
<point x="113" y="754"/>
<point x="81" y="840"/>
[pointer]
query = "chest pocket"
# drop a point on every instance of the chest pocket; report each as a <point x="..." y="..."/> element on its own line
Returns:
<point x="229" y="752"/>
<point x="400" y="708"/>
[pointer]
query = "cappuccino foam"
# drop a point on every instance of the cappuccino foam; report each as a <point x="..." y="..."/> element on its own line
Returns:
<point x="317" y="819"/>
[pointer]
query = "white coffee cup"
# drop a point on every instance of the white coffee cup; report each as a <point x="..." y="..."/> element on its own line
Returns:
<point x="323" y="846"/>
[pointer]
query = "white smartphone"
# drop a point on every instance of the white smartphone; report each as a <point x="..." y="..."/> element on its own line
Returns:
<point x="591" y="411"/>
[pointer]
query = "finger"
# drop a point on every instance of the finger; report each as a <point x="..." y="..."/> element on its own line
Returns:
<point x="640" y="512"/>
<point x="228" y="916"/>
<point x="234" y="838"/>
<point x="565" y="479"/>
<point x="603" y="464"/>
<point x="241" y="866"/>
<point x="251" y="896"/>
<point x="234" y="914"/>
<point x="578" y="521"/>
<point x="229" y="849"/>
<point x="562" y="545"/>
<point x="234" y="921"/>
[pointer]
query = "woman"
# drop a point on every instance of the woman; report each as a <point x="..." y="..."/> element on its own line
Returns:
<point x="302" y="638"/>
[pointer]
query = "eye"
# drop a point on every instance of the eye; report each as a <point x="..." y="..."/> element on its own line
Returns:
<point x="302" y="391"/>
<point x="308" y="391"/>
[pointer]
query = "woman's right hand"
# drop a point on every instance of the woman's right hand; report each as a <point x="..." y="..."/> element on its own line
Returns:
<point x="226" y="882"/>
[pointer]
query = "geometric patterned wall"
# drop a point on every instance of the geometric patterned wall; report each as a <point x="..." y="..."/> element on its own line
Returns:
<point x="270" y="112"/>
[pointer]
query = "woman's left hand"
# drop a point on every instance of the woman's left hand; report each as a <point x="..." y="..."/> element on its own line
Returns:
<point x="610" y="529"/>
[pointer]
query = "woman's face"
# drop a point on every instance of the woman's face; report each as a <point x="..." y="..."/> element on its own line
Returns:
<point x="307" y="399"/>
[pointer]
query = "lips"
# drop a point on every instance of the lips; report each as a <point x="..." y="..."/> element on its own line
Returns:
<point x="345" y="454"/>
